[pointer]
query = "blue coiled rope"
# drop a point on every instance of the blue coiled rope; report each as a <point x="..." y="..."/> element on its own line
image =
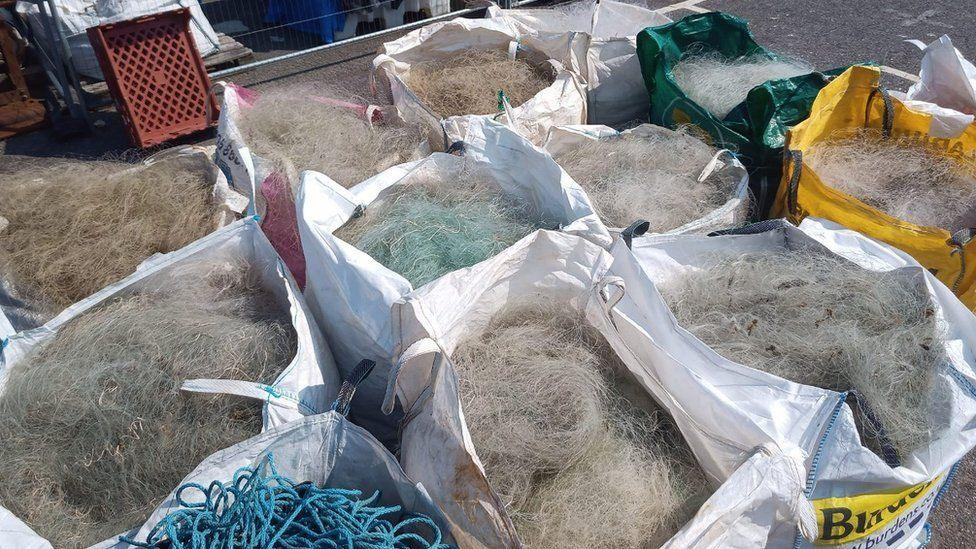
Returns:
<point x="264" y="511"/>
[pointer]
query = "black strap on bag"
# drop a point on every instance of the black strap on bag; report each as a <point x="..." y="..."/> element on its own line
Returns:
<point x="888" y="118"/>
<point x="958" y="241"/>
<point x="754" y="228"/>
<point x="348" y="388"/>
<point x="795" y="161"/>
<point x="456" y="148"/>
<point x="637" y="228"/>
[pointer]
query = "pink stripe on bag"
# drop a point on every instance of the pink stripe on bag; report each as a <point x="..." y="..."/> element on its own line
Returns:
<point x="280" y="224"/>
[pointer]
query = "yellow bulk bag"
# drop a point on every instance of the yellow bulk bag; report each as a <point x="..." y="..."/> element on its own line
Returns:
<point x="854" y="100"/>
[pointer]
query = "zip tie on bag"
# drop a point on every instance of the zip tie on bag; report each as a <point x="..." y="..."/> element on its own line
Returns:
<point x="501" y="101"/>
<point x="258" y="510"/>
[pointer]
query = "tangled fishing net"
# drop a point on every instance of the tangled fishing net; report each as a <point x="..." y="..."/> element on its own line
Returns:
<point x="719" y="83"/>
<point x="469" y="82"/>
<point x="77" y="226"/>
<point x="437" y="222"/>
<point x="580" y="455"/>
<point x="94" y="426"/>
<point x="898" y="176"/>
<point x="241" y="515"/>
<point x="820" y="320"/>
<point x="295" y="131"/>
<point x="652" y="177"/>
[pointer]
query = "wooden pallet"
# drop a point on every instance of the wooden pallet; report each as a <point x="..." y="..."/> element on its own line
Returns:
<point x="19" y="111"/>
<point x="229" y="52"/>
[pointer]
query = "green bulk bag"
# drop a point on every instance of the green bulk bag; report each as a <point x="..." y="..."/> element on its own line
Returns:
<point x="755" y="129"/>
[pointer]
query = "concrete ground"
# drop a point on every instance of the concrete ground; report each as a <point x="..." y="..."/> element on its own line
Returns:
<point x="827" y="33"/>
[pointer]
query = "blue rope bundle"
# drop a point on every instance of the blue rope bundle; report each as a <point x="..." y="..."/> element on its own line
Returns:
<point x="258" y="511"/>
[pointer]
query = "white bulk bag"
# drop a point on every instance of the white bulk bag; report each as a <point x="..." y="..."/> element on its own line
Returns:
<point x="764" y="501"/>
<point x="760" y="505"/>
<point x="615" y="88"/>
<point x="244" y="169"/>
<point x="734" y="212"/>
<point x="563" y="102"/>
<point x="326" y="449"/>
<point x="859" y="499"/>
<point x="79" y="15"/>
<point x="350" y="293"/>
<point x="307" y="386"/>
<point x="15" y="533"/>
<point x="17" y="315"/>
<point x="946" y="78"/>
<point x="270" y="186"/>
<point x="946" y="88"/>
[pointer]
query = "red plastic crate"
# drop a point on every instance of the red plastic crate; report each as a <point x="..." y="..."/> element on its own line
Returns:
<point x="156" y="76"/>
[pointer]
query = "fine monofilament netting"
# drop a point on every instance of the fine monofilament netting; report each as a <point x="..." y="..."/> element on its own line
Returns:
<point x="820" y="320"/>
<point x="95" y="429"/>
<point x="719" y="83"/>
<point x="296" y="132"/>
<point x="77" y="226"/>
<point x="652" y="177"/>
<point x="469" y="82"/>
<point x="436" y="222"/>
<point x="580" y="455"/>
<point x="900" y="177"/>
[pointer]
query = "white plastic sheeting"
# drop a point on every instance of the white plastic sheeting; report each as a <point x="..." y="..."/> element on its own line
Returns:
<point x="760" y="505"/>
<point x="78" y="15"/>
<point x="946" y="88"/>
<point x="946" y="78"/>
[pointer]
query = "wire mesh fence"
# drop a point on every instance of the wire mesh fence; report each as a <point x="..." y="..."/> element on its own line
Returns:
<point x="232" y="35"/>
<point x="270" y="28"/>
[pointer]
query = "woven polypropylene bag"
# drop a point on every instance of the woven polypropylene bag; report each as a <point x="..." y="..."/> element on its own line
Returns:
<point x="735" y="211"/>
<point x="756" y="128"/>
<point x="608" y="35"/>
<point x="350" y="293"/>
<point x="307" y="386"/>
<point x="854" y="101"/>
<point x="735" y="408"/>
<point x="17" y="313"/>
<point x="760" y="499"/>
<point x="326" y="449"/>
<point x="562" y="102"/>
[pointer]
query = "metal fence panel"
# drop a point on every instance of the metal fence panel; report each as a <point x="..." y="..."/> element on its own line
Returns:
<point x="234" y="35"/>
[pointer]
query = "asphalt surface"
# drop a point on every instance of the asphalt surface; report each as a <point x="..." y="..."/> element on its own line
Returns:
<point x="828" y="34"/>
